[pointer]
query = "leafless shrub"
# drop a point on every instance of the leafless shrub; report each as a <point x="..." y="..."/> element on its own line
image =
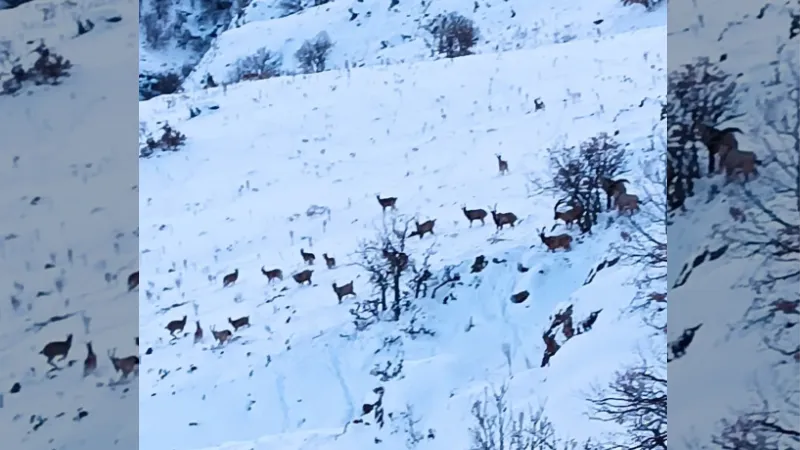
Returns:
<point x="260" y="66"/>
<point x="637" y="400"/>
<point x="312" y="56"/>
<point x="497" y="427"/>
<point x="648" y="4"/>
<point x="454" y="35"/>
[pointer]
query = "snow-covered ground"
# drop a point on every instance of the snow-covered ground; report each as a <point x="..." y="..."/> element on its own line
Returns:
<point x="426" y="132"/>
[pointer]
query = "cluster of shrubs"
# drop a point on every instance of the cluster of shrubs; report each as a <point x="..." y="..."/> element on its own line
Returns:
<point x="48" y="68"/>
<point x="453" y="35"/>
<point x="171" y="140"/>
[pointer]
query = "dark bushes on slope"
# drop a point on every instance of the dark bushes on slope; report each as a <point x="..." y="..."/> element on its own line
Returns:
<point x="454" y="35"/>
<point x="48" y="68"/>
<point x="313" y="54"/>
<point x="171" y="140"/>
<point x="155" y="84"/>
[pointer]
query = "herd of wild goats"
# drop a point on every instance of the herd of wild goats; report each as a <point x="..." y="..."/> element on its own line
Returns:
<point x="718" y="142"/>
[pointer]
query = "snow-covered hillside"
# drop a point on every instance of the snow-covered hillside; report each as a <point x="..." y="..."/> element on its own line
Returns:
<point x="363" y="32"/>
<point x="239" y="196"/>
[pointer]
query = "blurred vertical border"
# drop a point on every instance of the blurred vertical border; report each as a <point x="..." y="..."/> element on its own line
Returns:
<point x="733" y="224"/>
<point x="69" y="240"/>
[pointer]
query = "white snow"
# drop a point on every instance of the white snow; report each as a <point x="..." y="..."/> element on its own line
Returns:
<point x="425" y="132"/>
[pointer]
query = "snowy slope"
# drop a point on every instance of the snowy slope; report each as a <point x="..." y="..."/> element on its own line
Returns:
<point x="426" y="132"/>
<point x="725" y="363"/>
<point x="67" y="190"/>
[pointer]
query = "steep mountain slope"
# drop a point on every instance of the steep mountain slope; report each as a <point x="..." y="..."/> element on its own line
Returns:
<point x="260" y="154"/>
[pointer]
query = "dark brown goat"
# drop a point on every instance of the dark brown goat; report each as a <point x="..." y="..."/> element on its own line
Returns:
<point x="502" y="165"/>
<point x="627" y="202"/>
<point x="133" y="281"/>
<point x="198" y="333"/>
<point x="303" y="277"/>
<point x="57" y="348"/>
<point x="733" y="159"/>
<point x="176" y="325"/>
<point x="714" y="139"/>
<point x="503" y="219"/>
<point x="308" y="258"/>
<point x="274" y="274"/>
<point x="230" y="278"/>
<point x="423" y="228"/>
<point x="388" y="202"/>
<point x="557" y="241"/>
<point x="90" y="363"/>
<point x="568" y="216"/>
<point x="221" y="336"/>
<point x="126" y="365"/>
<point x="239" y="323"/>
<point x="612" y="188"/>
<point x="344" y="290"/>
<point x="474" y="214"/>
<point x="329" y="261"/>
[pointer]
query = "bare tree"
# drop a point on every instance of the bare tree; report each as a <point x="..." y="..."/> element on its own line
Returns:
<point x="259" y="66"/>
<point x="454" y="34"/>
<point x="388" y="263"/>
<point x="577" y="173"/>
<point x="312" y="56"/>
<point x="697" y="93"/>
<point x="637" y="400"/>
<point x="497" y="427"/>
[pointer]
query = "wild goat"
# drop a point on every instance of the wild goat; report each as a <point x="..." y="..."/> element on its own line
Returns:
<point x="568" y="216"/>
<point x="398" y="260"/>
<point x="239" y="323"/>
<point x="133" y="281"/>
<point x="176" y="325"/>
<point x="388" y="202"/>
<point x="308" y="258"/>
<point x="230" y="278"/>
<point x="221" y="336"/>
<point x="90" y="363"/>
<point x="198" y="333"/>
<point x="274" y="274"/>
<point x="627" y="202"/>
<point x="423" y="228"/>
<point x="612" y="188"/>
<point x="715" y="139"/>
<point x="502" y="165"/>
<point x="126" y="365"/>
<point x="474" y="214"/>
<point x="57" y="348"/>
<point x="557" y="241"/>
<point x="732" y="159"/>
<point x="330" y="262"/>
<point x="303" y="277"/>
<point x="344" y="290"/>
<point x="503" y="219"/>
